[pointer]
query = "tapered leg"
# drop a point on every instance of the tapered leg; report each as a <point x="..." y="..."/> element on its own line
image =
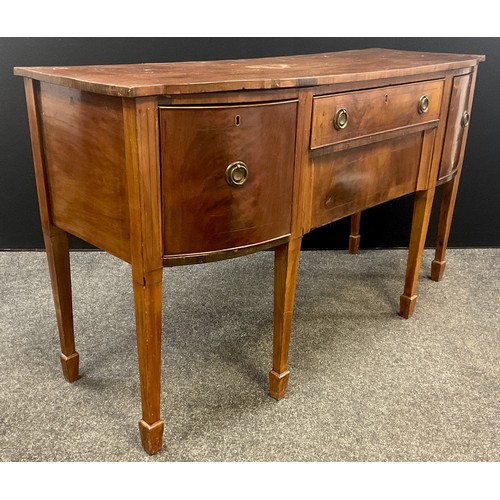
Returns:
<point x="148" y="299"/>
<point x="355" y="238"/>
<point x="56" y="242"/>
<point x="448" y="198"/>
<point x="57" y="249"/>
<point x="286" y="264"/>
<point x="420" y="223"/>
<point x="146" y="248"/>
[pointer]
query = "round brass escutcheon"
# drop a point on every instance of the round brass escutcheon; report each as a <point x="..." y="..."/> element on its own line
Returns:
<point x="423" y="104"/>
<point x="236" y="174"/>
<point x="465" y="119"/>
<point x="341" y="119"/>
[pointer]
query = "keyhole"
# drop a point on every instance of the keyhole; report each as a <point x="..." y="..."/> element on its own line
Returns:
<point x="237" y="120"/>
<point x="386" y="98"/>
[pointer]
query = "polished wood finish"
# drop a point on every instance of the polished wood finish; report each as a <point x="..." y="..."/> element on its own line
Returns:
<point x="57" y="249"/>
<point x="85" y="153"/>
<point x="302" y="199"/>
<point x="452" y="162"/>
<point x="448" y="199"/>
<point x="354" y="237"/>
<point x="202" y="212"/>
<point x="143" y="178"/>
<point x="266" y="95"/>
<point x="135" y="80"/>
<point x="227" y="253"/>
<point x="133" y="159"/>
<point x="420" y="222"/>
<point x="148" y="304"/>
<point x="358" y="178"/>
<point x="286" y="265"/>
<point x="372" y="112"/>
<point x="455" y="129"/>
<point x="56" y="242"/>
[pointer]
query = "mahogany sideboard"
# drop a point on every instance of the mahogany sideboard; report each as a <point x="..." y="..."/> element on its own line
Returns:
<point x="180" y="163"/>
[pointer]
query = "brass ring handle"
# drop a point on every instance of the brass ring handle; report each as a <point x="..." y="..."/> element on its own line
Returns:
<point x="341" y="119"/>
<point x="423" y="105"/>
<point x="465" y="119"/>
<point x="236" y="174"/>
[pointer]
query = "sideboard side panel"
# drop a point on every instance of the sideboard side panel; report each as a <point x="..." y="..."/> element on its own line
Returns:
<point x="84" y="147"/>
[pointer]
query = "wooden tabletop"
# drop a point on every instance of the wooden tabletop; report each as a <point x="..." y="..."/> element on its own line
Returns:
<point x="134" y="80"/>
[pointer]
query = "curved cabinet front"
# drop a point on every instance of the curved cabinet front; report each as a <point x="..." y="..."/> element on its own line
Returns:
<point x="227" y="176"/>
<point x="458" y="120"/>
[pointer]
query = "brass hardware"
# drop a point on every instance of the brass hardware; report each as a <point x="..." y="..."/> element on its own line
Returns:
<point x="341" y="119"/>
<point x="465" y="119"/>
<point x="423" y="104"/>
<point x="236" y="174"/>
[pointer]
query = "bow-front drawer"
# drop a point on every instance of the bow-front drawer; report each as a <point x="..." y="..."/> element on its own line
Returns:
<point x="227" y="175"/>
<point x="351" y="115"/>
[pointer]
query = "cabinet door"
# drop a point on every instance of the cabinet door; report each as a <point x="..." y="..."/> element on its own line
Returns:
<point x="227" y="175"/>
<point x="458" y="116"/>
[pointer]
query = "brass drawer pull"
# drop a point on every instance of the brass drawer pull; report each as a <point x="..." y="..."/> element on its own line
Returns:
<point x="236" y="174"/>
<point x="341" y="119"/>
<point x="423" y="104"/>
<point x="465" y="119"/>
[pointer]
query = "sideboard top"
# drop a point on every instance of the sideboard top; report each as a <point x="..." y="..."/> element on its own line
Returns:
<point x="135" y="80"/>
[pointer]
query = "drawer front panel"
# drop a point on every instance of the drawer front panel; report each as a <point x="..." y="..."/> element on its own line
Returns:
<point x="353" y="180"/>
<point x="373" y="111"/>
<point x="455" y="128"/>
<point x="227" y="175"/>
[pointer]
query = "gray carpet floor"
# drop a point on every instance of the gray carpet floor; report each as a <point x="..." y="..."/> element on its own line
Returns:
<point x="365" y="384"/>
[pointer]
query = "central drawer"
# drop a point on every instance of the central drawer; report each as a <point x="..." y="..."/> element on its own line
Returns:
<point x="227" y="175"/>
<point x="351" y="115"/>
<point x="349" y="181"/>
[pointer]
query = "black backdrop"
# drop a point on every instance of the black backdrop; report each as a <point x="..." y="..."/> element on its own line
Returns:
<point x="476" y="222"/>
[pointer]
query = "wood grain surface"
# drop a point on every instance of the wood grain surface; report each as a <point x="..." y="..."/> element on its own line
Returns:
<point x="133" y="80"/>
<point x="143" y="178"/>
<point x="84" y="150"/>
<point x="455" y="129"/>
<point x="55" y="239"/>
<point x="149" y="183"/>
<point x="353" y="180"/>
<point x="373" y="111"/>
<point x="202" y="212"/>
